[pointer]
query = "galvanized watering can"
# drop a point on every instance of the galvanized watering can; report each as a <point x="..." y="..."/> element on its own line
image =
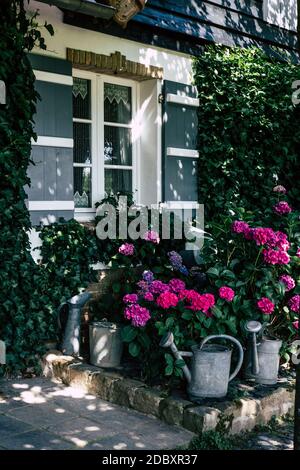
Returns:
<point x="262" y="355"/>
<point x="210" y="370"/>
<point x="71" y="335"/>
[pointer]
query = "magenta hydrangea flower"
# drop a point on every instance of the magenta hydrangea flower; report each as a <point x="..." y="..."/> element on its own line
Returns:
<point x="126" y="249"/>
<point x="288" y="282"/>
<point x="296" y="324"/>
<point x="266" y="306"/>
<point x="151" y="236"/>
<point x="157" y="287"/>
<point x="281" y="241"/>
<point x="279" y="189"/>
<point x="294" y="303"/>
<point x="167" y="299"/>
<point x="226" y="293"/>
<point x="138" y="315"/>
<point x="176" y="285"/>
<point x="262" y="236"/>
<point x="239" y="226"/>
<point x="149" y="297"/>
<point x="270" y="256"/>
<point x="282" y="208"/>
<point x="298" y="253"/>
<point x="130" y="299"/>
<point x="283" y="257"/>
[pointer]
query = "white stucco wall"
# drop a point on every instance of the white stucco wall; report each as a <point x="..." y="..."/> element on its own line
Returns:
<point x="177" y="67"/>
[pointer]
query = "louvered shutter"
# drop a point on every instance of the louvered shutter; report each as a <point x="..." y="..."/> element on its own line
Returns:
<point x="51" y="193"/>
<point x="179" y="142"/>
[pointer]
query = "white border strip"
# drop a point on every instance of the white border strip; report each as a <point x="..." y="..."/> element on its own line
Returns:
<point x="53" y="77"/>
<point x="185" y="153"/>
<point x="185" y="100"/>
<point x="51" y="205"/>
<point x="46" y="141"/>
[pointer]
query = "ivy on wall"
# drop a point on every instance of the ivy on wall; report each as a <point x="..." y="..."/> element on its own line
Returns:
<point x="24" y="300"/>
<point x="249" y="130"/>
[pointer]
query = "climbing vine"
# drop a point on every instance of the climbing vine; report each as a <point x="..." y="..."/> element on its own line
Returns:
<point x="24" y="300"/>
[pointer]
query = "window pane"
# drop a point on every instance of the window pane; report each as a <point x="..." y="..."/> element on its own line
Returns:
<point x="82" y="142"/>
<point x="117" y="103"/>
<point x="82" y="187"/>
<point x="118" y="180"/>
<point x="117" y="146"/>
<point x="81" y="98"/>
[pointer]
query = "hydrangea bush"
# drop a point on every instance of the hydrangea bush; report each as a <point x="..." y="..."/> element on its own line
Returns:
<point x="253" y="268"/>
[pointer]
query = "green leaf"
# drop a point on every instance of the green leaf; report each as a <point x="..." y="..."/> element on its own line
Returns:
<point x="213" y="272"/>
<point x="169" y="370"/>
<point x="128" y="333"/>
<point x="134" y="349"/>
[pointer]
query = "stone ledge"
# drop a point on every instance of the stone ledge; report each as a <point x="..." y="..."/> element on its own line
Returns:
<point x="112" y="386"/>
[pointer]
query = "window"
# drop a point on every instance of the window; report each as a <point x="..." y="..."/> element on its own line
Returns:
<point x="104" y="152"/>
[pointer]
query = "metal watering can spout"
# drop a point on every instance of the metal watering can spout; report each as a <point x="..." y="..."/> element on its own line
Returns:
<point x="254" y="328"/>
<point x="71" y="335"/>
<point x="167" y="341"/>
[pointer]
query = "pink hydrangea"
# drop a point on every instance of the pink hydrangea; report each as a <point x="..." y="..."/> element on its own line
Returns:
<point x="296" y="324"/>
<point x="130" y="299"/>
<point x="210" y="301"/>
<point x="239" y="226"/>
<point x="226" y="293"/>
<point x="270" y="256"/>
<point x="151" y="236"/>
<point x="262" y="236"/>
<point x="288" y="282"/>
<point x="281" y="241"/>
<point x="282" y="208"/>
<point x="138" y="315"/>
<point x="166" y="300"/>
<point x="176" y="285"/>
<point x="298" y="253"/>
<point x="266" y="306"/>
<point x="148" y="296"/>
<point x="127" y="249"/>
<point x="157" y="287"/>
<point x="294" y="303"/>
<point x="283" y="257"/>
<point x="279" y="189"/>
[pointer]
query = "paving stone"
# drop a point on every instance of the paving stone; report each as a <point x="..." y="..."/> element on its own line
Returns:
<point x="81" y="431"/>
<point x="63" y="417"/>
<point x="11" y="426"/>
<point x="35" y="440"/>
<point x="41" y="415"/>
<point x="133" y="440"/>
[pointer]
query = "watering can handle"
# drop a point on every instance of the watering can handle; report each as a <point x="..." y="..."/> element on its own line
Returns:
<point x="236" y="342"/>
<point x="59" y="311"/>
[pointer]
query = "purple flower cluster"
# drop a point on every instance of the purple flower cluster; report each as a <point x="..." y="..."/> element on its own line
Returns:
<point x="288" y="282"/>
<point x="138" y="315"/>
<point x="279" y="189"/>
<point x="282" y="208"/>
<point x="151" y="236"/>
<point x="176" y="263"/>
<point x="127" y="249"/>
<point x="294" y="303"/>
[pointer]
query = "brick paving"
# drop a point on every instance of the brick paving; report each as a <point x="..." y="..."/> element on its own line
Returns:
<point x="41" y="414"/>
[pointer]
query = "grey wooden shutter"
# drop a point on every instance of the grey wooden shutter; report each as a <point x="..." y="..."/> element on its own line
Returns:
<point x="51" y="193"/>
<point x="179" y="141"/>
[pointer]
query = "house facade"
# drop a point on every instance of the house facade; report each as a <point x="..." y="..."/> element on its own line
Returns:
<point x="118" y="110"/>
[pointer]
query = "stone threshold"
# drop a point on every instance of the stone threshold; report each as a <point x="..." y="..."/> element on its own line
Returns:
<point x="246" y="413"/>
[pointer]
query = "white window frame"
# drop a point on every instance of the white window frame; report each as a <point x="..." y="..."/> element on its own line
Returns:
<point x="97" y="137"/>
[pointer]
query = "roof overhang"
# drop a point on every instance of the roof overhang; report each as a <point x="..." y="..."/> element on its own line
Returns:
<point x="87" y="7"/>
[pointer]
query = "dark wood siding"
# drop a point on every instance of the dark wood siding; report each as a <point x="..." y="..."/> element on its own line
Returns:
<point x="187" y="25"/>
